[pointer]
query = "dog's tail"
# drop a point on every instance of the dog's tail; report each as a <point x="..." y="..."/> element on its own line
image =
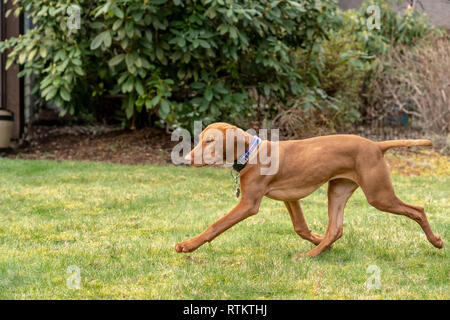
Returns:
<point x="386" y="145"/>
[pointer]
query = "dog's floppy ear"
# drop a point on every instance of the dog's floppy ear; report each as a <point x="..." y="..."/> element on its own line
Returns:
<point x="236" y="143"/>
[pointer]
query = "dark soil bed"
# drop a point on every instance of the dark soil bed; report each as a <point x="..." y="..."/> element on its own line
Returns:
<point x="97" y="144"/>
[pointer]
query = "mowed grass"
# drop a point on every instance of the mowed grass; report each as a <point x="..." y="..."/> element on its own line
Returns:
<point x="118" y="225"/>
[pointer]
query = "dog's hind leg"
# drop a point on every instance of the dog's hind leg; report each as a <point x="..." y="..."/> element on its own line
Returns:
<point x="299" y="222"/>
<point x="377" y="186"/>
<point x="339" y="191"/>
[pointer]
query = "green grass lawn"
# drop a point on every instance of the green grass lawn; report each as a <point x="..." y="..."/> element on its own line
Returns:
<point x="118" y="225"/>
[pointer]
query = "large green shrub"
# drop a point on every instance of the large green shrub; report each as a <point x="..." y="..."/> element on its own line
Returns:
<point x="338" y="77"/>
<point x="341" y="74"/>
<point x="396" y="26"/>
<point x="179" y="60"/>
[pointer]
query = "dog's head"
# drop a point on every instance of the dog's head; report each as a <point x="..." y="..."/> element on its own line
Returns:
<point x="219" y="144"/>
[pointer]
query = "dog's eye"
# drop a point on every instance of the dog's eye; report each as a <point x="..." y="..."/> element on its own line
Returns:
<point x="209" y="140"/>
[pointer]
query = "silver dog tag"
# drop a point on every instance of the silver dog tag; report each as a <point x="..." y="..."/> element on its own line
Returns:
<point x="236" y="182"/>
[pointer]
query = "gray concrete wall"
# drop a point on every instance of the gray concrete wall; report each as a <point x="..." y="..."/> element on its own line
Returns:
<point x="437" y="10"/>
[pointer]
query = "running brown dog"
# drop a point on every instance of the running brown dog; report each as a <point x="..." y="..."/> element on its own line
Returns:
<point x="346" y="162"/>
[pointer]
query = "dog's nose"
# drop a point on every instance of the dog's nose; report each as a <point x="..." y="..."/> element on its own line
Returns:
<point x="188" y="158"/>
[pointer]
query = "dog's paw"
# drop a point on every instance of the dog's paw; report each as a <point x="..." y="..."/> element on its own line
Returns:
<point x="298" y="257"/>
<point x="438" y="243"/>
<point x="317" y="238"/>
<point x="303" y="255"/>
<point x="184" y="247"/>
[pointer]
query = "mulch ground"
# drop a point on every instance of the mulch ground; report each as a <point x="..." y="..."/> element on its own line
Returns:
<point x="154" y="146"/>
<point x="147" y="146"/>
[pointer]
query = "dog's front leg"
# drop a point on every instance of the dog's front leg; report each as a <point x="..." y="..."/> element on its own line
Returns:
<point x="242" y="211"/>
<point x="299" y="222"/>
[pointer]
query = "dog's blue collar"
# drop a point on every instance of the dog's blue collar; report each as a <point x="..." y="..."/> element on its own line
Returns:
<point x="242" y="161"/>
